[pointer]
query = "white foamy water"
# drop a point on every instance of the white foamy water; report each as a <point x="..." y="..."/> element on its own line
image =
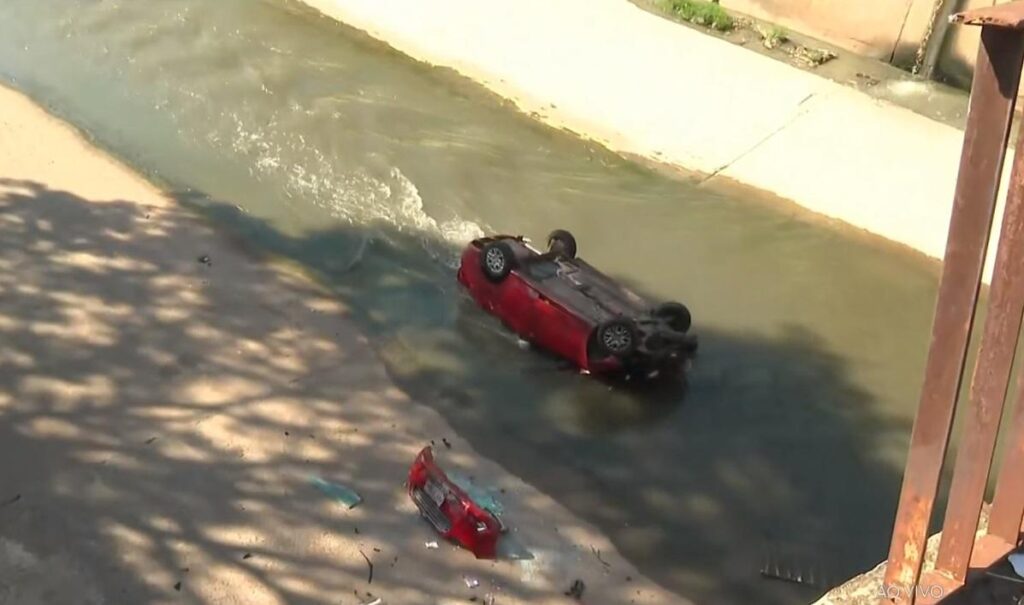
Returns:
<point x="355" y="197"/>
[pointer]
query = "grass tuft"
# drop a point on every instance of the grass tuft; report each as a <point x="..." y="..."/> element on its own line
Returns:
<point x="701" y="12"/>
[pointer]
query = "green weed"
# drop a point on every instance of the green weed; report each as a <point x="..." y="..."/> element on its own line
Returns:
<point x="700" y="12"/>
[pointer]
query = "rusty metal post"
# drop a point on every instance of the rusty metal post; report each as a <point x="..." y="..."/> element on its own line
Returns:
<point x="990" y="382"/>
<point x="1008" y="504"/>
<point x="994" y="90"/>
<point x="1005" y="529"/>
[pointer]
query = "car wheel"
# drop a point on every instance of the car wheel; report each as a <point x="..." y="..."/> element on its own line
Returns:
<point x="562" y="242"/>
<point x="675" y="314"/>
<point x="617" y="337"/>
<point x="497" y="261"/>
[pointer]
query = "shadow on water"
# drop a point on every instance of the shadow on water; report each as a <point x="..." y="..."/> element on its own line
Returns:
<point x="768" y="458"/>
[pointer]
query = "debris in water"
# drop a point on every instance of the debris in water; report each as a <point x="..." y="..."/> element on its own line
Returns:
<point x="523" y="344"/>
<point x="247" y="555"/>
<point x="340" y="493"/>
<point x="444" y="440"/>
<point x="597" y="553"/>
<point x="376" y="601"/>
<point x="205" y="260"/>
<point x="369" y="563"/>
<point x="1017" y="562"/>
<point x="471" y="582"/>
<point x="791" y="572"/>
<point x="576" y="590"/>
<point x="12" y="500"/>
<point x="177" y="587"/>
<point x="432" y="545"/>
<point x="151" y="440"/>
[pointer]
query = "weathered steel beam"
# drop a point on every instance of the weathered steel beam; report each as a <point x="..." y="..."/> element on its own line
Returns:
<point x="1008" y="503"/>
<point x="996" y="76"/>
<point x="990" y="383"/>
<point x="1006" y="16"/>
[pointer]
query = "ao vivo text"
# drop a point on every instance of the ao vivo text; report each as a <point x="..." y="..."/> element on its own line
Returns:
<point x="897" y="592"/>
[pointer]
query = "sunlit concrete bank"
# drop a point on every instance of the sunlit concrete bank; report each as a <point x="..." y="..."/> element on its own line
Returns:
<point x="161" y="419"/>
<point x="644" y="85"/>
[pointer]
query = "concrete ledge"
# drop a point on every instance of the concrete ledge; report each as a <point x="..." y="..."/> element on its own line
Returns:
<point x="867" y="588"/>
<point x="650" y="87"/>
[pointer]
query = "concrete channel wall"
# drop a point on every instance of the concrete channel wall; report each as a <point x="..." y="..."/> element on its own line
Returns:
<point x="644" y="85"/>
<point x="887" y="30"/>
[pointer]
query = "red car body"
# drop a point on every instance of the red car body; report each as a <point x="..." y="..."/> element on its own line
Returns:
<point x="557" y="303"/>
<point x="450" y="510"/>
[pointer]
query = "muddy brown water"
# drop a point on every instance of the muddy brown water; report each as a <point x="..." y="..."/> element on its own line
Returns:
<point x="312" y="141"/>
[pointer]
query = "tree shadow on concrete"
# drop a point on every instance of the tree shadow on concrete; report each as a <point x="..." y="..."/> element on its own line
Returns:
<point x="164" y="403"/>
<point x="769" y="457"/>
<point x="161" y="417"/>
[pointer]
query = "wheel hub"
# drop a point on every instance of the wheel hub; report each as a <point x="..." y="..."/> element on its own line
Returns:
<point x="617" y="338"/>
<point x="495" y="261"/>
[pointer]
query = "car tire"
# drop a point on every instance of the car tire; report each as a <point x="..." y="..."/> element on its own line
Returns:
<point x="562" y="242"/>
<point x="617" y="337"/>
<point x="676" y="315"/>
<point x="497" y="261"/>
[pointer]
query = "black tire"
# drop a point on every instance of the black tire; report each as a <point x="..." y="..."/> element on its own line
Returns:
<point x="618" y="337"/>
<point x="497" y="261"/>
<point x="676" y="315"/>
<point x="562" y="242"/>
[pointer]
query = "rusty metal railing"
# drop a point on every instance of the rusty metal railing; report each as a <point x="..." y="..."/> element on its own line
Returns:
<point x="993" y="95"/>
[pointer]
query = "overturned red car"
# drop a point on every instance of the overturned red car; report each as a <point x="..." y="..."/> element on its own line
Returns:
<point x="450" y="510"/>
<point x="560" y="303"/>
